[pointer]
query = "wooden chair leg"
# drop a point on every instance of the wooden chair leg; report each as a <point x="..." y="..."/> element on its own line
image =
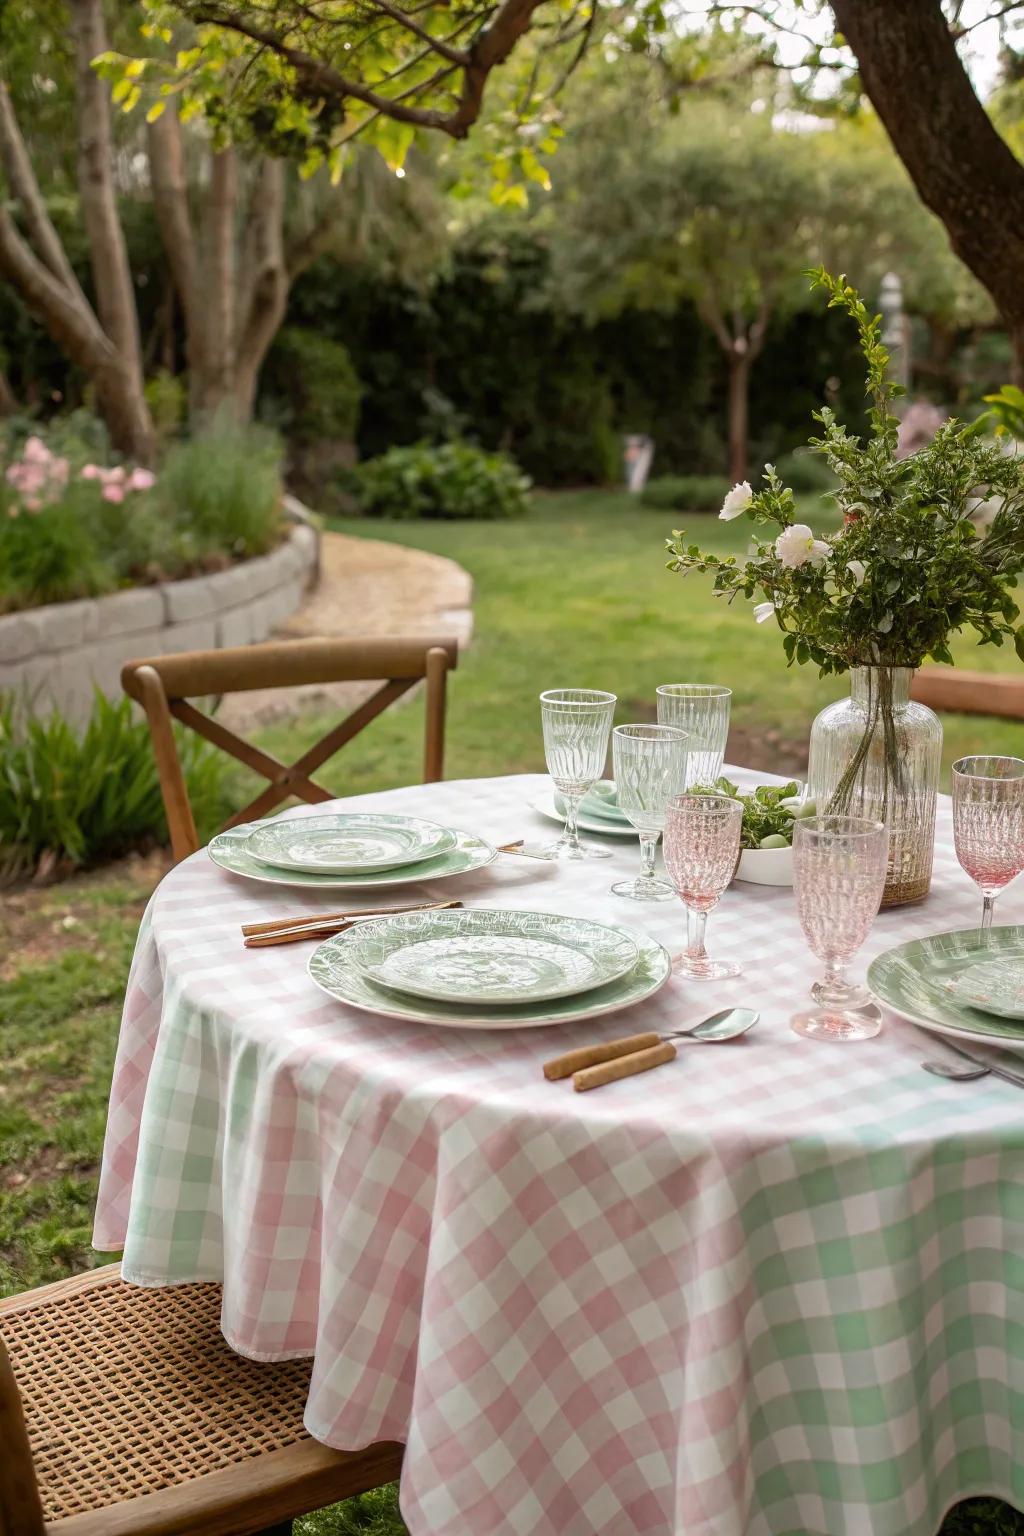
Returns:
<point x="437" y="685"/>
<point x="180" y="821"/>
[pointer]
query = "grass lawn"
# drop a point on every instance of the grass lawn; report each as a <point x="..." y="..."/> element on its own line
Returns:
<point x="575" y="595"/>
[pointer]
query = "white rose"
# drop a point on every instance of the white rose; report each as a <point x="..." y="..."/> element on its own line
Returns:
<point x="795" y="546"/>
<point x="737" y="501"/>
<point x="858" y="570"/>
<point x="763" y="611"/>
<point x="820" y="551"/>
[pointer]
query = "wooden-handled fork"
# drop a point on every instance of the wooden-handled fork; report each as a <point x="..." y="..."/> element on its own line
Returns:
<point x="323" y="925"/>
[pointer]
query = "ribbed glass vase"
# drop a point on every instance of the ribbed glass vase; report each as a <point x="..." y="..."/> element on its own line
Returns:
<point x="878" y="754"/>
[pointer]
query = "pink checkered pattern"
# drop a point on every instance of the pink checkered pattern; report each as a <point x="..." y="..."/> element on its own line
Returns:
<point x="605" y="1314"/>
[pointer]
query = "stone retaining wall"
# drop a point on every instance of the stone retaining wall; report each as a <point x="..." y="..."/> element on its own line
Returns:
<point x="54" y="655"/>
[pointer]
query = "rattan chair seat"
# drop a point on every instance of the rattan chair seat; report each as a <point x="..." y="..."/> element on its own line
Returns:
<point x="128" y="1392"/>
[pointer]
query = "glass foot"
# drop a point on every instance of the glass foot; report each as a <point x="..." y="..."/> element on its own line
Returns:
<point x="838" y="1023"/>
<point x="705" y="969"/>
<point x="644" y="890"/>
<point x="840" y="995"/>
<point x="577" y="854"/>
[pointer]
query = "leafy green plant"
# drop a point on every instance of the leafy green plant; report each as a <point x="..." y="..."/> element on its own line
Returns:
<point x="685" y="493"/>
<point x="223" y="492"/>
<point x="769" y="811"/>
<point x="74" y="797"/>
<point x="453" y="480"/>
<point x="1007" y="413"/>
<point x="312" y="387"/>
<point x="49" y="556"/>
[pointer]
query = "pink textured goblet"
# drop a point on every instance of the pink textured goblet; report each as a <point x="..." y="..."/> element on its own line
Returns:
<point x="988" y="823"/>
<point x="839" y="865"/>
<point x="702" y="844"/>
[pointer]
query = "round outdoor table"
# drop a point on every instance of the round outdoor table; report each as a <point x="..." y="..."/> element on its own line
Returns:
<point x="773" y="1287"/>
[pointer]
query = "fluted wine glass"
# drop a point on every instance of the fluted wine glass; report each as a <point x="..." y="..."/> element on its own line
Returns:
<point x="576" y="724"/>
<point x="702" y="711"/>
<point x="649" y="764"/>
<point x="988" y="824"/>
<point x="839" y="865"/>
<point x="702" y="845"/>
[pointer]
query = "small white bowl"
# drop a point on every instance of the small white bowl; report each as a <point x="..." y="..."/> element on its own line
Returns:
<point x="766" y="866"/>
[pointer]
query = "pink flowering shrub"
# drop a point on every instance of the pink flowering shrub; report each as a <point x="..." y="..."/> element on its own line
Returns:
<point x="37" y="478"/>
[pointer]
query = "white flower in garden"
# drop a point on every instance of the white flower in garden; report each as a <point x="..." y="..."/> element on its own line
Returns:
<point x="763" y="611"/>
<point x="819" y="551"/>
<point x="737" y="501"/>
<point x="858" y="570"/>
<point x="796" y="545"/>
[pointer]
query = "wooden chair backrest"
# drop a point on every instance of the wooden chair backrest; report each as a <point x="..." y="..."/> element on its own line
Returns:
<point x="21" y="1511"/>
<point x="163" y="686"/>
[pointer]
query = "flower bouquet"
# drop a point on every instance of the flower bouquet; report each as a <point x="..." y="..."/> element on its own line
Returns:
<point x="905" y="571"/>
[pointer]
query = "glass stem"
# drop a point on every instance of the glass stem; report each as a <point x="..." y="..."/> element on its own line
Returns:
<point x="696" y="922"/>
<point x="835" y="974"/>
<point x="987" y="909"/>
<point x="648" y="848"/>
<point x="570" y="837"/>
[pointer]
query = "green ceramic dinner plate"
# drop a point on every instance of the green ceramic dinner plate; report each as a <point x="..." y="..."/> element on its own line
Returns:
<point x="921" y="981"/>
<point x="331" y="967"/>
<point x="231" y="851"/>
<point x="491" y="956"/>
<point x="547" y="805"/>
<point x="347" y="843"/>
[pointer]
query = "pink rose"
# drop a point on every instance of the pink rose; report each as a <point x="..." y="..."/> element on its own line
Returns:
<point x="141" y="480"/>
<point x="91" y="472"/>
<point x="113" y="492"/>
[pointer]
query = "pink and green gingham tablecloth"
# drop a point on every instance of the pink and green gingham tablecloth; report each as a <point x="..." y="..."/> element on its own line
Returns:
<point x="776" y="1287"/>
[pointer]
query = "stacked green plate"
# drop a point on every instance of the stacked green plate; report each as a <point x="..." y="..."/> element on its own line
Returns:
<point x="348" y="851"/>
<point x="599" y="810"/>
<point x="966" y="984"/>
<point x="489" y="970"/>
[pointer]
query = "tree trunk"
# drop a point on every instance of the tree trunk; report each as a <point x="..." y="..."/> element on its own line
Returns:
<point x="739" y="397"/>
<point x="962" y="168"/>
<point x="267" y="283"/>
<point x="211" y="374"/>
<point x="115" y="294"/>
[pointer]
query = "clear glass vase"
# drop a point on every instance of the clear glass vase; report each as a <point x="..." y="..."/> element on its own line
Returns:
<point x="878" y="754"/>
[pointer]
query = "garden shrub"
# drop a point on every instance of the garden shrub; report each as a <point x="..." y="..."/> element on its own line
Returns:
<point x="452" y="480"/>
<point x="73" y="525"/>
<point x="310" y="387"/>
<point x="70" y="796"/>
<point x="805" y="473"/>
<point x="685" y="493"/>
<point x="222" y="491"/>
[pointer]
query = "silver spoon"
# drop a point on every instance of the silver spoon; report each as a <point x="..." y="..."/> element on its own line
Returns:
<point x="727" y="1025"/>
<point x="953" y="1070"/>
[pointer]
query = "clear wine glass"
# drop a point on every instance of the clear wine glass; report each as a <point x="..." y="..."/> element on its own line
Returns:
<point x="988" y="823"/>
<point x="649" y="764"/>
<point x="702" y="844"/>
<point x="839" y="865"/>
<point x="576" y="723"/>
<point x="702" y="711"/>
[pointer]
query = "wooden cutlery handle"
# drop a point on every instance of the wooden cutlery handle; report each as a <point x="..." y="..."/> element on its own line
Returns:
<point x="313" y="919"/>
<point x="295" y="935"/>
<point x="624" y="1066"/>
<point x="591" y="1055"/>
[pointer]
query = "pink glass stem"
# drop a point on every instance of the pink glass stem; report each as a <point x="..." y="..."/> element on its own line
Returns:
<point x="696" y="922"/>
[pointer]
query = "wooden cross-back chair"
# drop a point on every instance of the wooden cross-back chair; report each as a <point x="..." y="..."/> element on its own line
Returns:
<point x="123" y="1412"/>
<point x="163" y="685"/>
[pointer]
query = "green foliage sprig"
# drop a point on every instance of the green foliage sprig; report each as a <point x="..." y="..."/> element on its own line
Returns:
<point x="909" y="567"/>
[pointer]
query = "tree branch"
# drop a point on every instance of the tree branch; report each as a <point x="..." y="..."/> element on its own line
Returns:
<point x="169" y="183"/>
<point x="491" y="47"/>
<point x="22" y="180"/>
<point x="437" y="44"/>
